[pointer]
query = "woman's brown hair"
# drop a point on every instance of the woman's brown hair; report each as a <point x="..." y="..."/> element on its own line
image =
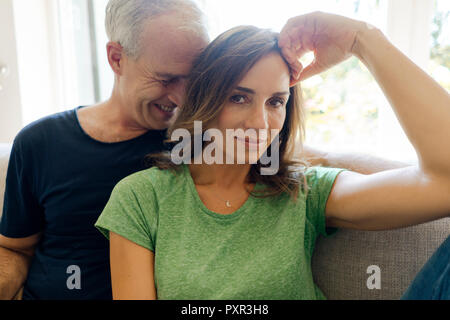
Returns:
<point x="215" y="74"/>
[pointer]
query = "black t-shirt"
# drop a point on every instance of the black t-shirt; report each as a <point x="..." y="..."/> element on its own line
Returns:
<point x="59" y="180"/>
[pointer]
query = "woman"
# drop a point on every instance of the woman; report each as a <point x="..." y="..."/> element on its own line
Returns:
<point x="225" y="231"/>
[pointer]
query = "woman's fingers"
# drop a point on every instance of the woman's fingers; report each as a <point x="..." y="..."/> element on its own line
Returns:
<point x="295" y="65"/>
<point x="290" y="43"/>
<point x="284" y="40"/>
<point x="329" y="36"/>
<point x="295" y="41"/>
<point x="295" y="35"/>
<point x="311" y="70"/>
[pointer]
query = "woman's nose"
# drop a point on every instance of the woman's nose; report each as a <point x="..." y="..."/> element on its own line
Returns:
<point x="257" y="117"/>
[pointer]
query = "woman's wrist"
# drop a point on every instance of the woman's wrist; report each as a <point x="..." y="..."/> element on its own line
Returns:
<point x="367" y="38"/>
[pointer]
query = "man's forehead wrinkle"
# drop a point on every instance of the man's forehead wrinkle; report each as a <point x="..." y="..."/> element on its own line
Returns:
<point x="147" y="68"/>
<point x="170" y="59"/>
<point x="165" y="69"/>
<point x="170" y="75"/>
<point x="147" y="73"/>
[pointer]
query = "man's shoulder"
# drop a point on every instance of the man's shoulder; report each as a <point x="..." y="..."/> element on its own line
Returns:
<point x="152" y="175"/>
<point x="152" y="178"/>
<point x="52" y="126"/>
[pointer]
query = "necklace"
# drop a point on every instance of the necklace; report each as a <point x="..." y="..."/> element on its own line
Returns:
<point x="227" y="202"/>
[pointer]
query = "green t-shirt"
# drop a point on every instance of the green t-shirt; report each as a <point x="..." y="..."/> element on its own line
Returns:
<point x="260" y="252"/>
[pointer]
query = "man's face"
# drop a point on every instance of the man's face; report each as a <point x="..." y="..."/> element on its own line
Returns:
<point x="152" y="87"/>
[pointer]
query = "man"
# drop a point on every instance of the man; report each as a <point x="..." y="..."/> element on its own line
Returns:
<point x="64" y="167"/>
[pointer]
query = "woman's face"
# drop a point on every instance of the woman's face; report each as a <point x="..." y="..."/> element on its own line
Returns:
<point x="258" y="103"/>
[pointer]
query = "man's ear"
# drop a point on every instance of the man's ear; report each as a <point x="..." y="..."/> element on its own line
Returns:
<point x="116" y="57"/>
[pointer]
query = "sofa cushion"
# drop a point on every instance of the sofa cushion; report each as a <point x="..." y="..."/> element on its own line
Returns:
<point x="5" y="150"/>
<point x="340" y="262"/>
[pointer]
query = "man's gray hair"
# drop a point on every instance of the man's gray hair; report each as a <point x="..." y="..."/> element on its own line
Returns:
<point x="126" y="19"/>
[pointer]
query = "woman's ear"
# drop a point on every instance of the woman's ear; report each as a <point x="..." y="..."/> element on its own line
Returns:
<point x="115" y="57"/>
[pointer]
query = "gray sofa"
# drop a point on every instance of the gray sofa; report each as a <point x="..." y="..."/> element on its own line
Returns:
<point x="341" y="261"/>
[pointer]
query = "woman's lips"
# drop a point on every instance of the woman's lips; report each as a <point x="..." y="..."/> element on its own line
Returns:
<point x="250" y="142"/>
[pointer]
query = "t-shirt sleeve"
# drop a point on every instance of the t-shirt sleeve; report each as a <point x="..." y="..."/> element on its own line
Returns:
<point x="131" y="213"/>
<point x="320" y="182"/>
<point x="22" y="215"/>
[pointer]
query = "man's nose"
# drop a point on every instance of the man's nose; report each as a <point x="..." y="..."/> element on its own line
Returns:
<point x="177" y="91"/>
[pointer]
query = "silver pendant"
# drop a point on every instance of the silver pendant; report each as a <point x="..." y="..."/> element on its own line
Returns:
<point x="228" y="204"/>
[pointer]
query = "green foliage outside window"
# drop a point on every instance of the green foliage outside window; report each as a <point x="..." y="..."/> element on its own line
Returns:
<point x="346" y="98"/>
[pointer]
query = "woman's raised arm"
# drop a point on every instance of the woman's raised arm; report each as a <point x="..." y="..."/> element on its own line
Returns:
<point x="393" y="198"/>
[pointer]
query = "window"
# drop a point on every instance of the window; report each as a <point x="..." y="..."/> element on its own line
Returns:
<point x="77" y="49"/>
<point x="439" y="66"/>
<point x="343" y="103"/>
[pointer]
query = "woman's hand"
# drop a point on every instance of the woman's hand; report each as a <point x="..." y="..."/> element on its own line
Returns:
<point x="331" y="37"/>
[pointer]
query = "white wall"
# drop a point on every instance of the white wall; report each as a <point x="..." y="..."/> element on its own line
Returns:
<point x="34" y="26"/>
<point x="10" y="103"/>
<point x="27" y="46"/>
<point x="42" y="41"/>
<point x="106" y="75"/>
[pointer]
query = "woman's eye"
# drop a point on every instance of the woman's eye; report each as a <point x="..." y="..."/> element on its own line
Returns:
<point x="277" y="103"/>
<point x="237" y="99"/>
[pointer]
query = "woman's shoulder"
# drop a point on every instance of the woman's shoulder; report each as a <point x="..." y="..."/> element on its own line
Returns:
<point x="313" y="176"/>
<point x="321" y="174"/>
<point x="320" y="181"/>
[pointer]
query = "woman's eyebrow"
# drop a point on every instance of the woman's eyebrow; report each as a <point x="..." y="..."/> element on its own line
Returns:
<point x="247" y="90"/>
<point x="285" y="93"/>
<point x="251" y="91"/>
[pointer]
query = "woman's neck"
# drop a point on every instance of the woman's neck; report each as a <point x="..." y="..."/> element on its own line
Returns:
<point x="220" y="175"/>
